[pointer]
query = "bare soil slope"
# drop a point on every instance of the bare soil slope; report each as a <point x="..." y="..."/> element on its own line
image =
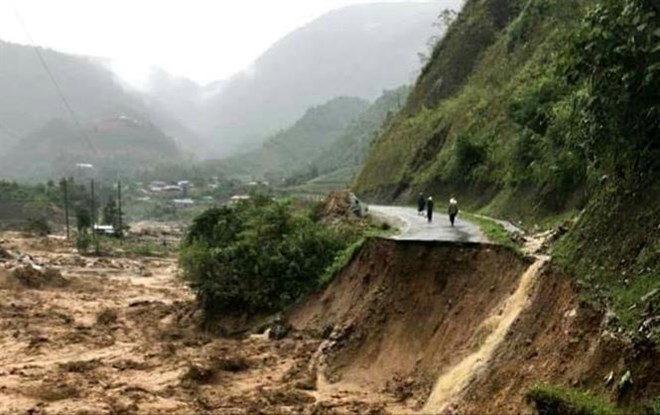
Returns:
<point x="405" y="318"/>
<point x="402" y="312"/>
<point x="561" y="340"/>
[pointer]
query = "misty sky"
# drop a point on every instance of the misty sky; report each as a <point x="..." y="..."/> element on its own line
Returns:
<point x="204" y="40"/>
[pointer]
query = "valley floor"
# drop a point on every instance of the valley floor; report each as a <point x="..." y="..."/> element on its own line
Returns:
<point x="406" y="327"/>
<point x="116" y="336"/>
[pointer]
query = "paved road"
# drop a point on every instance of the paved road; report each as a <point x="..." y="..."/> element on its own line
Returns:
<point x="417" y="228"/>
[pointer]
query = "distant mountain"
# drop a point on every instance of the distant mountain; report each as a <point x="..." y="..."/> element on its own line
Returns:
<point x="355" y="51"/>
<point x="177" y="104"/>
<point x="294" y="148"/>
<point x="352" y="147"/>
<point x="340" y="161"/>
<point x="29" y="100"/>
<point x="112" y="144"/>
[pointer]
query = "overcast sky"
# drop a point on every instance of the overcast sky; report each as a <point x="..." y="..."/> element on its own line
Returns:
<point x="204" y="40"/>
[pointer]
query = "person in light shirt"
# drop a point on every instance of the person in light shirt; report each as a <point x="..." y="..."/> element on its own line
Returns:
<point x="453" y="210"/>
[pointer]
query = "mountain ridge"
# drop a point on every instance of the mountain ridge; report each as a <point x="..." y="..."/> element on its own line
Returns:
<point x="342" y="53"/>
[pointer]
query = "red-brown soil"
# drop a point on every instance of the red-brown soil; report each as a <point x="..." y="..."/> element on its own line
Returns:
<point x="119" y="335"/>
<point x="561" y="340"/>
<point x="405" y="313"/>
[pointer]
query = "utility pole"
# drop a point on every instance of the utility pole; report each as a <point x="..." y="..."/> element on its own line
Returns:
<point x="66" y="206"/>
<point x="93" y="214"/>
<point x="93" y="205"/>
<point x="121" y="224"/>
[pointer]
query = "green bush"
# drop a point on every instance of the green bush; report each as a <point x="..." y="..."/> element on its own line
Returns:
<point x="615" y="53"/>
<point x="259" y="256"/>
<point x="83" y="220"/>
<point x="551" y="399"/>
<point x="530" y="108"/>
<point x="654" y="406"/>
<point x="470" y="159"/>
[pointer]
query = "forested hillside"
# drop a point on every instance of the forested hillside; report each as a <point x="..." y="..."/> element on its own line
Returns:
<point x="352" y="147"/>
<point x="51" y="110"/>
<point x="539" y="109"/>
<point x="340" y="161"/>
<point x="30" y="97"/>
<point x="296" y="147"/>
<point x="114" y="145"/>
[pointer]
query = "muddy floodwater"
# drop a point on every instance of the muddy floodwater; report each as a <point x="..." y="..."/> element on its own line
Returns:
<point x="118" y="335"/>
<point x="406" y="327"/>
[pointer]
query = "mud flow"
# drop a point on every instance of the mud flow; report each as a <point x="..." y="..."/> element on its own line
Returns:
<point x="405" y="312"/>
<point x="120" y="335"/>
<point x="407" y="327"/>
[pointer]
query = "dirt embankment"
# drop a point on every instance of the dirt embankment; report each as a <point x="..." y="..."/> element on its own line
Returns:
<point x="403" y="312"/>
<point x="471" y="326"/>
<point x="561" y="340"/>
<point x="406" y="319"/>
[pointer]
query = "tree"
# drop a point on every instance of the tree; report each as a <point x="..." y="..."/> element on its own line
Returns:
<point x="616" y="54"/>
<point x="83" y="220"/>
<point x="259" y="256"/>
<point x="445" y="19"/>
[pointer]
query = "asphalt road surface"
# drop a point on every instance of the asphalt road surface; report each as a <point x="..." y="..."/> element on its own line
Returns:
<point x="416" y="228"/>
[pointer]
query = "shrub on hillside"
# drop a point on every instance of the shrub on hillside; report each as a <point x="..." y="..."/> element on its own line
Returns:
<point x="259" y="256"/>
<point x="615" y="54"/>
<point x="551" y="399"/>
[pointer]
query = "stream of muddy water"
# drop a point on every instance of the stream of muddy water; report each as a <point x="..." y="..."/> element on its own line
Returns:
<point x="451" y="382"/>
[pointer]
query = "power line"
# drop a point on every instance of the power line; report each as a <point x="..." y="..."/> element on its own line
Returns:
<point x="57" y="86"/>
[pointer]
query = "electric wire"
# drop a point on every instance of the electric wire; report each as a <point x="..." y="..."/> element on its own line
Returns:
<point x="53" y="79"/>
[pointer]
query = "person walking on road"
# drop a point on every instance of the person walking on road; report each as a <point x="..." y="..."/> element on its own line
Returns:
<point x="429" y="209"/>
<point x="421" y="204"/>
<point x="453" y="210"/>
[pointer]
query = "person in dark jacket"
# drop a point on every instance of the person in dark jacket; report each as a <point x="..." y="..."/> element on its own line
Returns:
<point x="453" y="210"/>
<point x="429" y="209"/>
<point x="421" y="204"/>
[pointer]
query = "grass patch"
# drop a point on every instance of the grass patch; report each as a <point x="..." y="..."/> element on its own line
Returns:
<point x="136" y="246"/>
<point x="624" y="290"/>
<point x="614" y="254"/>
<point x="493" y="231"/>
<point x="340" y="261"/>
<point x="151" y="249"/>
<point x="552" y="399"/>
<point x="374" y="229"/>
<point x="654" y="406"/>
<point x="346" y="255"/>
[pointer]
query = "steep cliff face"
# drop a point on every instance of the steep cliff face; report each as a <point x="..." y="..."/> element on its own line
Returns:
<point x="528" y="100"/>
<point x="461" y="127"/>
<point x="536" y="110"/>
